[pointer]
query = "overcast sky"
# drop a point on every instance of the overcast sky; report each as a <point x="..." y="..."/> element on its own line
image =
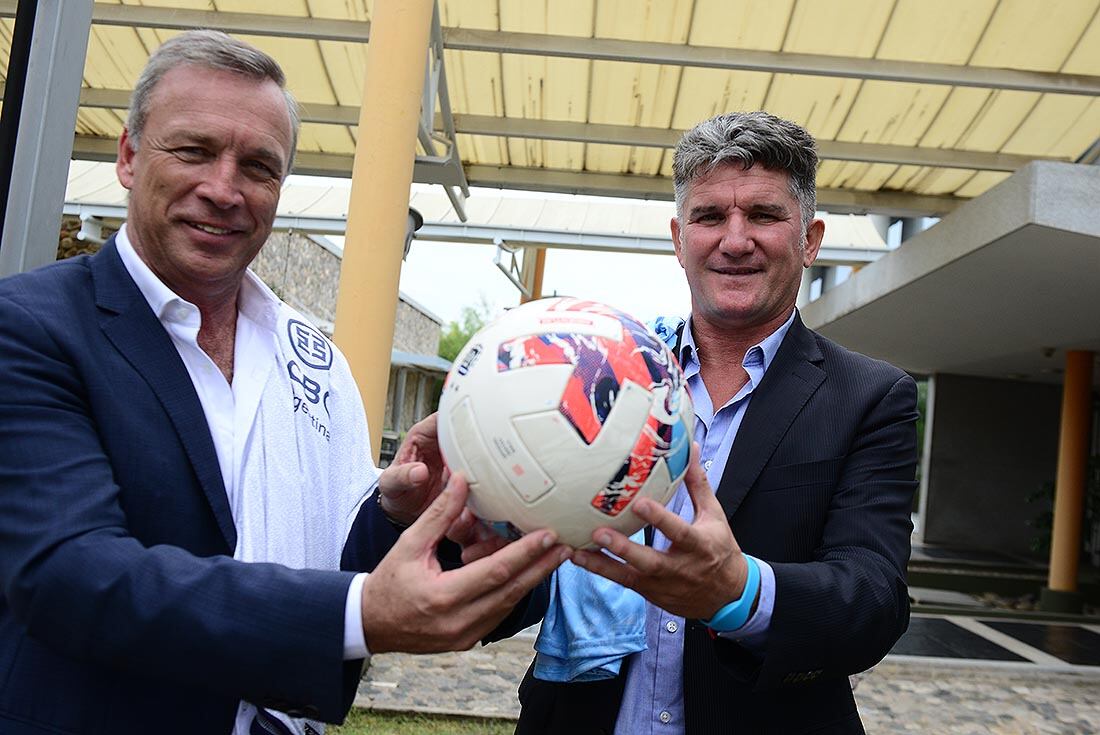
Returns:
<point x="445" y="277"/>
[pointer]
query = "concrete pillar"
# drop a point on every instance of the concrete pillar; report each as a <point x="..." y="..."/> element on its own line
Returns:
<point x="881" y="223"/>
<point x="398" y="419"/>
<point x="421" y="407"/>
<point x="803" y="297"/>
<point x="1061" y="593"/>
<point x="378" y="210"/>
<point x="40" y="161"/>
<point x="911" y="226"/>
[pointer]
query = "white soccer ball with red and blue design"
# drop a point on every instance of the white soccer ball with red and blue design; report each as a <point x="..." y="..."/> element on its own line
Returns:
<point x="561" y="414"/>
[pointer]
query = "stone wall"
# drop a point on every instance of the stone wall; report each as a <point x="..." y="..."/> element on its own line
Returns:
<point x="68" y="245"/>
<point x="303" y="272"/>
<point x="415" y="331"/>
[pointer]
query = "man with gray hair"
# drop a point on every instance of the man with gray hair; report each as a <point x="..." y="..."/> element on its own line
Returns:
<point x="764" y="594"/>
<point x="184" y="462"/>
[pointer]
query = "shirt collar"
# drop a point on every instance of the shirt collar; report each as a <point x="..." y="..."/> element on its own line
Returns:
<point x="759" y="355"/>
<point x="255" y="300"/>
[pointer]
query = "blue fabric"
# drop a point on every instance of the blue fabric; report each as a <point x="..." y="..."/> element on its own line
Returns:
<point x="591" y="624"/>
<point x="667" y="328"/>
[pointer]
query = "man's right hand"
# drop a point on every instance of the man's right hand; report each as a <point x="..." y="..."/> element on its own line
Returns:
<point x="416" y="475"/>
<point x="410" y="604"/>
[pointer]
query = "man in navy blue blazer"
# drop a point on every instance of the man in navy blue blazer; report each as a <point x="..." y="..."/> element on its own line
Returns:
<point x="183" y="461"/>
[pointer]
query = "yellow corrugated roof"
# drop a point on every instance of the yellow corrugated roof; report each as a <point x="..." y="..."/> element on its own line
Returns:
<point x="588" y="95"/>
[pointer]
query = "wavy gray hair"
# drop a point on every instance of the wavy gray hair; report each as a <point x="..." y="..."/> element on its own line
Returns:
<point x="212" y="50"/>
<point x="747" y="139"/>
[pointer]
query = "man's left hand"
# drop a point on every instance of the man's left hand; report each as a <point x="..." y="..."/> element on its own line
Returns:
<point x="701" y="571"/>
<point x="416" y="475"/>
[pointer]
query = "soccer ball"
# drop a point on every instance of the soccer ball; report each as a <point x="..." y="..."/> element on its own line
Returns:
<point x="561" y="414"/>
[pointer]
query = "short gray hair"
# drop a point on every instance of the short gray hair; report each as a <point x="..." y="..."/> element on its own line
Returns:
<point x="748" y="139"/>
<point x="211" y="50"/>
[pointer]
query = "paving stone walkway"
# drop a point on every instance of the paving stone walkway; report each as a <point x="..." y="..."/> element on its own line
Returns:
<point x="901" y="695"/>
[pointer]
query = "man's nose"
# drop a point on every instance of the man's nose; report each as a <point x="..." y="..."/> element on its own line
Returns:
<point x="221" y="185"/>
<point x="737" y="236"/>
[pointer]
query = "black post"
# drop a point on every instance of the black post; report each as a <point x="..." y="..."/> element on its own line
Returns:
<point x="13" y="97"/>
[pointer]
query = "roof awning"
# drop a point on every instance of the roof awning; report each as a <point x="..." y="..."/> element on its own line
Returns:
<point x="429" y="363"/>
<point x="1001" y="288"/>
<point x="918" y="105"/>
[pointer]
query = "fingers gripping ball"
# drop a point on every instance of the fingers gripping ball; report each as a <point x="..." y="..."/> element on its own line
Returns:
<point x="562" y="413"/>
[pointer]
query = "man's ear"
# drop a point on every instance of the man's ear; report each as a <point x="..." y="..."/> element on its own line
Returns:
<point x="815" y="233"/>
<point x="124" y="166"/>
<point x="677" y="234"/>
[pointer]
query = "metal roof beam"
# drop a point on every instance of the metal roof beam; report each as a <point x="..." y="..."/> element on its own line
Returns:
<point x="898" y="204"/>
<point x="636" y="136"/>
<point x="664" y="138"/>
<point x="712" y="57"/>
<point x="253" y="24"/>
<point x="606" y="49"/>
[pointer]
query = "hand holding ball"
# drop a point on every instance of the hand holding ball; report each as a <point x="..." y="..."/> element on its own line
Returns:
<point x="561" y="414"/>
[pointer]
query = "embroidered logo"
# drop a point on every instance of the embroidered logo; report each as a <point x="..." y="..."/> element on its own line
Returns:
<point x="309" y="345"/>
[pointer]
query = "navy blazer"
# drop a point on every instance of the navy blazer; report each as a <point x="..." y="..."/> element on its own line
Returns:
<point x="121" y="609"/>
<point x="819" y="483"/>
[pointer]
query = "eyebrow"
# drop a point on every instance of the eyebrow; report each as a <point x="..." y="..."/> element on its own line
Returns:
<point x="768" y="208"/>
<point x="704" y="209"/>
<point x="778" y="210"/>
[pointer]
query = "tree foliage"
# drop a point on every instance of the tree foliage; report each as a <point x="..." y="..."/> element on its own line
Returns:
<point x="458" y="333"/>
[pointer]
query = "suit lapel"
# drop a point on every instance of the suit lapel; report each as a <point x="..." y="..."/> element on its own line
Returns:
<point x="134" y="330"/>
<point x="790" y="380"/>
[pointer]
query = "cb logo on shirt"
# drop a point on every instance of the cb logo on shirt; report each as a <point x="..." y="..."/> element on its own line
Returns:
<point x="309" y="345"/>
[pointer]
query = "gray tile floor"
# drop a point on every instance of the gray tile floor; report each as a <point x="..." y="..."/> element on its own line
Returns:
<point x="949" y="674"/>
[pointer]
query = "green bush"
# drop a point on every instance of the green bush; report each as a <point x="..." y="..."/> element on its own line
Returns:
<point x="1043" y="522"/>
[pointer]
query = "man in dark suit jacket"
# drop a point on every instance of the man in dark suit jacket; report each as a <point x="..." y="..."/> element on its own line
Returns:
<point x="812" y="449"/>
<point x="129" y="516"/>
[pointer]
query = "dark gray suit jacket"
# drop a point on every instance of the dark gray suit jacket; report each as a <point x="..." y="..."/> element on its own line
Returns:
<point x="819" y="484"/>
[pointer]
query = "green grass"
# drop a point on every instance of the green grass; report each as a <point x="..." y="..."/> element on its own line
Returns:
<point x="364" y="722"/>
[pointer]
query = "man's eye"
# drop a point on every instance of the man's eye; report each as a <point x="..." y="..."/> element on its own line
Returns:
<point x="709" y="218"/>
<point x="259" y="168"/>
<point x="189" y="152"/>
<point x="764" y="217"/>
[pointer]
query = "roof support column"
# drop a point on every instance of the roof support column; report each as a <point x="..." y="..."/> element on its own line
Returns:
<point x="40" y="163"/>
<point x="382" y="173"/>
<point x="1060" y="594"/>
<point x="532" y="277"/>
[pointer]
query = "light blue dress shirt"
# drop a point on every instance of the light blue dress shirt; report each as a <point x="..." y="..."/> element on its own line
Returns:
<point x="653" y="702"/>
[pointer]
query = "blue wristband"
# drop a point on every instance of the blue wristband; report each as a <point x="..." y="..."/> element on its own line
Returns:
<point x="736" y="613"/>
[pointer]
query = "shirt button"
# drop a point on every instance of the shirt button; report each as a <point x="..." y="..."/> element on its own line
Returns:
<point x="671" y="626"/>
<point x="665" y="717"/>
<point x="707" y="464"/>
